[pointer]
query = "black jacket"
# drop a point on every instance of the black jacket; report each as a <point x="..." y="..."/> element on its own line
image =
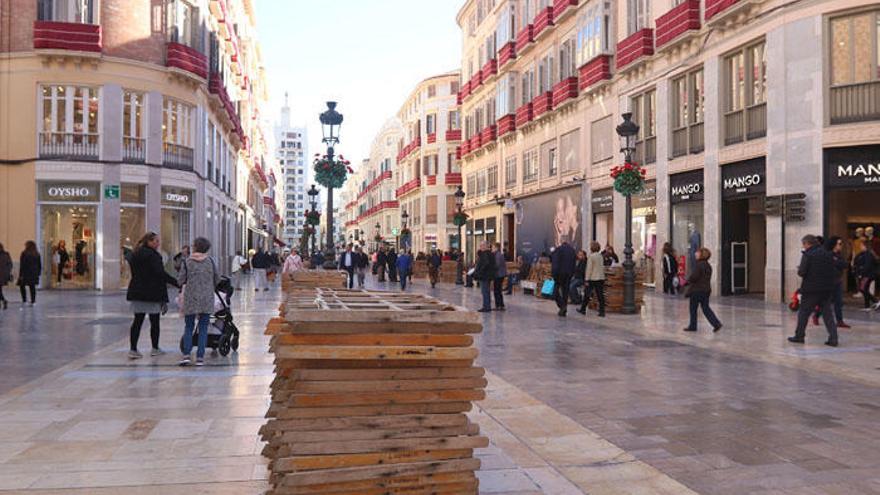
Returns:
<point x="362" y="260"/>
<point x="382" y="258"/>
<point x="29" y="268"/>
<point x="580" y="269"/>
<point x="5" y="268"/>
<point x="149" y="280"/>
<point x="817" y="271"/>
<point x="262" y="261"/>
<point x="563" y="260"/>
<point x="700" y="279"/>
<point x="485" y="267"/>
<point x="865" y="264"/>
<point x="435" y="260"/>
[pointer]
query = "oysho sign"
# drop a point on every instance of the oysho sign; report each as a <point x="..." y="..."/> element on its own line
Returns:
<point x="62" y="192"/>
<point x="177" y="197"/>
<point x="743" y="179"/>
<point x="70" y="192"/>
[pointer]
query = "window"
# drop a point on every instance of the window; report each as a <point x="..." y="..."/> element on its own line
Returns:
<point x="638" y="15"/>
<point x="490" y="110"/>
<point x="687" y="113"/>
<point x="510" y="172"/>
<point x="644" y="110"/>
<point x="184" y="24"/>
<point x="505" y="94"/>
<point x="431" y="210"/>
<point x="527" y="87"/>
<point x="492" y="179"/>
<point x="546" y="77"/>
<point x="176" y="123"/>
<point x="745" y="93"/>
<point x="548" y="159"/>
<point x="526" y="13"/>
<point x="569" y="150"/>
<point x="505" y="30"/>
<point x="431" y="124"/>
<point x="78" y="11"/>
<point x="530" y="166"/>
<point x="855" y="48"/>
<point x="133" y="115"/>
<point x="453" y="87"/>
<point x="454" y="119"/>
<point x="490" y="48"/>
<point x="600" y="140"/>
<point x="567" y="59"/>
<point x="70" y="121"/>
<point x="432" y="91"/>
<point x="592" y="32"/>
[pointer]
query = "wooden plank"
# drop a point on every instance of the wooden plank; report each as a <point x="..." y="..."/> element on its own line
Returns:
<point x="318" y="462"/>
<point x="358" y="422"/>
<point x="385" y="409"/>
<point x="375" y="352"/>
<point x="354" y="327"/>
<point x="390" y="445"/>
<point x="391" y="471"/>
<point x="371" y="364"/>
<point x="401" y="397"/>
<point x="398" y="483"/>
<point x="376" y="340"/>
<point x="385" y="385"/>
<point x="414" y="432"/>
<point x="386" y="374"/>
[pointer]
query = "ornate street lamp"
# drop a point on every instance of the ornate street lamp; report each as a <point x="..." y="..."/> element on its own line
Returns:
<point x="378" y="233"/>
<point x="331" y="121"/>
<point x="313" y="201"/>
<point x="403" y="231"/>
<point x="459" y="217"/>
<point x="628" y="130"/>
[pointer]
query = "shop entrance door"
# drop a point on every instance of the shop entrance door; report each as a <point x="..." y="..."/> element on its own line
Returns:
<point x="67" y="245"/>
<point x="744" y="232"/>
<point x="509" y="229"/>
<point x="739" y="267"/>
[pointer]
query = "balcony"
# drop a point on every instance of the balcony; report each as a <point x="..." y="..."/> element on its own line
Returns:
<point x="742" y="125"/>
<point x="639" y="45"/>
<point x="178" y="157"/>
<point x="134" y="150"/>
<point x="506" y="124"/>
<point x="673" y="25"/>
<point x="432" y="138"/>
<point x="563" y="8"/>
<point x="524" y="115"/>
<point x="218" y="89"/>
<point x="409" y="187"/>
<point x="542" y="103"/>
<point x="477" y="80"/>
<point x="372" y="185"/>
<point x="465" y="148"/>
<point x="477" y="141"/>
<point x="189" y="60"/>
<point x="68" y="146"/>
<point x="71" y="36"/>
<point x="565" y="90"/>
<point x="490" y="69"/>
<point x="458" y="153"/>
<point x="717" y="10"/>
<point x="543" y="22"/>
<point x="507" y="53"/>
<point x="595" y="71"/>
<point x="488" y="134"/>
<point x="452" y="179"/>
<point x="430" y="180"/>
<point x="524" y="38"/>
<point x="453" y="135"/>
<point x="855" y="103"/>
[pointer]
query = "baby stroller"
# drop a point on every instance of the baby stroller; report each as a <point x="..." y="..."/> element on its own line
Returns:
<point x="222" y="332"/>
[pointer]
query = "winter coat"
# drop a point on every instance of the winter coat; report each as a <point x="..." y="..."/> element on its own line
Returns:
<point x="262" y="261"/>
<point x="595" y="267"/>
<point x="700" y="279"/>
<point x="500" y="264"/>
<point x="198" y="275"/>
<point x="29" y="268"/>
<point x="485" y="268"/>
<point x="817" y="271"/>
<point x="5" y="268"/>
<point x="670" y="265"/>
<point x="435" y="260"/>
<point x="563" y="260"/>
<point x="361" y="260"/>
<point x="865" y="264"/>
<point x="149" y="280"/>
<point x="404" y="264"/>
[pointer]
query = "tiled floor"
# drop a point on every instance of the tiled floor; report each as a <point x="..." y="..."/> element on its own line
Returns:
<point x="576" y="405"/>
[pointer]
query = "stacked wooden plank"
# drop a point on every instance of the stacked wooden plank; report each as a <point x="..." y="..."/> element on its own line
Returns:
<point x="370" y="395"/>
<point x="309" y="279"/>
<point x="614" y="290"/>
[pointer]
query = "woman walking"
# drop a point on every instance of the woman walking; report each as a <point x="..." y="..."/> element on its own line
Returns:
<point x="293" y="263"/>
<point x="670" y="269"/>
<point x="199" y="277"/>
<point x="594" y="275"/>
<point x="698" y="290"/>
<point x="864" y="267"/>
<point x="29" y="268"/>
<point x="147" y="292"/>
<point x="61" y="258"/>
<point x="5" y="274"/>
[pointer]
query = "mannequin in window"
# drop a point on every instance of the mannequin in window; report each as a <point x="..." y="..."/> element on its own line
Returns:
<point x="695" y="241"/>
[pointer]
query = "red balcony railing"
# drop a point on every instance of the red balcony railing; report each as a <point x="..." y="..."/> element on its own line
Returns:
<point x="506" y="124"/>
<point x="489" y="70"/>
<point x="681" y="19"/>
<point x="640" y="44"/>
<point x="409" y="187"/>
<point x="596" y="70"/>
<point x="562" y="9"/>
<point x="715" y="7"/>
<point x="507" y="53"/>
<point x="452" y="179"/>
<point x="524" y="115"/>
<point x="543" y="21"/>
<point x="477" y="141"/>
<point x="488" y="134"/>
<point x="453" y="135"/>
<point x="524" y="37"/>
<point x="432" y="138"/>
<point x="431" y="180"/>
<point x="51" y="35"/>
<point x="564" y="90"/>
<point x="216" y="87"/>
<point x="465" y="148"/>
<point x="376" y="209"/>
<point x="542" y="103"/>
<point x="458" y="152"/>
<point x="185" y="58"/>
<point x="375" y="182"/>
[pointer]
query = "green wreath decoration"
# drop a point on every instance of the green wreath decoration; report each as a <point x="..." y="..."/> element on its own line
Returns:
<point x="331" y="173"/>
<point x="629" y="179"/>
<point x="459" y="219"/>
<point x="313" y="218"/>
<point x="309" y="230"/>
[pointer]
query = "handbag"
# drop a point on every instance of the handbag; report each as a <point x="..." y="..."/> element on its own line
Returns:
<point x="547" y="288"/>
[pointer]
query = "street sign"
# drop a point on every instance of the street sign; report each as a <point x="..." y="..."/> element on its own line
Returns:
<point x="395" y="231"/>
<point x="773" y="206"/>
<point x="795" y="207"/>
<point x="111" y="191"/>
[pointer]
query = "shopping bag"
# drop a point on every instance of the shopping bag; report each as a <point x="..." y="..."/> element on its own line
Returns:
<point x="547" y="288"/>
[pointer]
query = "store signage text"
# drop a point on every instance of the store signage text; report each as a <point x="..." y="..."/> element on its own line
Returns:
<point x="742" y="183"/>
<point x="870" y="172"/>
<point x="69" y="192"/>
<point x="176" y="198"/>
<point x="685" y="191"/>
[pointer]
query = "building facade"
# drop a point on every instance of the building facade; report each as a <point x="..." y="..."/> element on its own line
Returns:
<point x="111" y="127"/>
<point x="736" y="101"/>
<point x="291" y="153"/>
<point x="428" y="168"/>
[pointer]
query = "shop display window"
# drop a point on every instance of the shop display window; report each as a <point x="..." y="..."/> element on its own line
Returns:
<point x="68" y="246"/>
<point x="687" y="231"/>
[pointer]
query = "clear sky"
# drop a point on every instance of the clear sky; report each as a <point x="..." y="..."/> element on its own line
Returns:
<point x="366" y="54"/>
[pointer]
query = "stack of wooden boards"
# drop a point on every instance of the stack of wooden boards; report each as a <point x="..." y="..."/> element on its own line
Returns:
<point x="614" y="290"/>
<point x="370" y="395"/>
<point x="314" y="278"/>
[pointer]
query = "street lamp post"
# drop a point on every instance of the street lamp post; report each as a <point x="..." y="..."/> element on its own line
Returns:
<point x="331" y="121"/>
<point x="403" y="218"/>
<point x="378" y="233"/>
<point x="628" y="130"/>
<point x="459" y="260"/>
<point x="313" y="200"/>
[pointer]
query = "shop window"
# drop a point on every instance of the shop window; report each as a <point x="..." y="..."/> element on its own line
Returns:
<point x="76" y="11"/>
<point x="687" y="113"/>
<point x="854" y="55"/>
<point x="70" y="122"/>
<point x="592" y="32"/>
<point x="745" y="94"/>
<point x="644" y="110"/>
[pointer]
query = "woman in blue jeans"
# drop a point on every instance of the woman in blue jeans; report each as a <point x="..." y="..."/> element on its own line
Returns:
<point x="198" y="276"/>
<point x="699" y="289"/>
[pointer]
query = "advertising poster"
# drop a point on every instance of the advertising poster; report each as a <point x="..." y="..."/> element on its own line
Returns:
<point x="544" y="220"/>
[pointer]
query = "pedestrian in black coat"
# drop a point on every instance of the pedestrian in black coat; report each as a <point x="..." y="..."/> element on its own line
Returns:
<point x="147" y="292"/>
<point x="29" y="268"/>
<point x="818" y="278"/>
<point x="699" y="289"/>
<point x="563" y="264"/>
<point x="484" y="271"/>
<point x="5" y="273"/>
<point x="391" y="259"/>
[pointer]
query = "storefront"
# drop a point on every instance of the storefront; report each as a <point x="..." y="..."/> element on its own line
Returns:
<point x="543" y="221"/>
<point x="852" y="195"/>
<point x="132" y="225"/>
<point x="686" y="197"/>
<point x="69" y="214"/>
<point x="644" y="230"/>
<point x="602" y="202"/>
<point x="176" y="221"/>
<point x="743" y="227"/>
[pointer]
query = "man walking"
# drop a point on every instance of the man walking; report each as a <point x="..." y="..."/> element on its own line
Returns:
<point x="391" y="259"/>
<point x="347" y="263"/>
<point x="362" y="262"/>
<point x="562" y="261"/>
<point x="261" y="263"/>
<point x="239" y="265"/>
<point x="434" y="262"/>
<point x="500" y="275"/>
<point x="819" y="277"/>
<point x="381" y="262"/>
<point x="484" y="272"/>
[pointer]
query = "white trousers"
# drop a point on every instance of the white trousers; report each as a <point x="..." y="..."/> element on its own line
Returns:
<point x="260" y="281"/>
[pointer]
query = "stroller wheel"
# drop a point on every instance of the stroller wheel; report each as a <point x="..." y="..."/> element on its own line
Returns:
<point x="223" y="347"/>
<point x="235" y="343"/>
